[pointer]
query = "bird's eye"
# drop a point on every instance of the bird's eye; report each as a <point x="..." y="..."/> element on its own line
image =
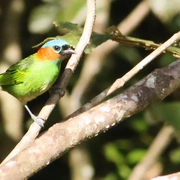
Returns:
<point x="56" y="48"/>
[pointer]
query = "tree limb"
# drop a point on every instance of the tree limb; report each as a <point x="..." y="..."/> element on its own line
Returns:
<point x="65" y="135"/>
<point x="121" y="81"/>
<point x="34" y="129"/>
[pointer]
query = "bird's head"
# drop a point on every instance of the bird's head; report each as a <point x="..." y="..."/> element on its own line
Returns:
<point x="54" y="49"/>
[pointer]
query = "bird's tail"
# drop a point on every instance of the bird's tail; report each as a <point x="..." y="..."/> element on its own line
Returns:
<point x="3" y="80"/>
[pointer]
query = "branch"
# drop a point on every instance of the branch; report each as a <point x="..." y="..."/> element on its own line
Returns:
<point x="159" y="144"/>
<point x="70" y="68"/>
<point x="135" y="17"/>
<point x="173" y="176"/>
<point x="65" y="135"/>
<point x="121" y="81"/>
<point x="146" y="44"/>
<point x="92" y="65"/>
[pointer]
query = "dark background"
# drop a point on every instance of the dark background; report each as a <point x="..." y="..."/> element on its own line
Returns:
<point x="114" y="154"/>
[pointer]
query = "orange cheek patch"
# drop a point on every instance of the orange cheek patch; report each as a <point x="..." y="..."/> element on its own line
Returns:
<point x="47" y="53"/>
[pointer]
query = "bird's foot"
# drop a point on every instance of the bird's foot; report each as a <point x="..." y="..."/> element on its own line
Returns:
<point x="40" y="121"/>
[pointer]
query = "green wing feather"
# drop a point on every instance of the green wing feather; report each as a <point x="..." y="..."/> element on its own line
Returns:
<point x="15" y="74"/>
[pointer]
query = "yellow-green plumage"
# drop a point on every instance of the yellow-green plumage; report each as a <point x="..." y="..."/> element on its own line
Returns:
<point x="30" y="78"/>
<point x="35" y="74"/>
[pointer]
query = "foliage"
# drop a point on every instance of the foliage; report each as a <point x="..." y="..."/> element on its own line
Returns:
<point x="122" y="147"/>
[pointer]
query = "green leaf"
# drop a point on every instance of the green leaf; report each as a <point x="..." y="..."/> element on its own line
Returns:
<point x="168" y="112"/>
<point x="124" y="171"/>
<point x="135" y="156"/>
<point x="139" y="125"/>
<point x="113" y="154"/>
<point x="68" y="27"/>
<point x="111" y="176"/>
<point x="96" y="40"/>
<point x="73" y="33"/>
<point x="174" y="156"/>
<point x="136" y="42"/>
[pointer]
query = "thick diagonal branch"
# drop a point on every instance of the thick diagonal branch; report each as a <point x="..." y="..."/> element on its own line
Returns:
<point x="63" y="136"/>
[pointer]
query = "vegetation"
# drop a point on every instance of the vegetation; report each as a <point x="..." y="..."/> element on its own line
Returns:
<point x="95" y="144"/>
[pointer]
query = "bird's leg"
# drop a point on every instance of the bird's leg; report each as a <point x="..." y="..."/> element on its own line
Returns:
<point x="38" y="120"/>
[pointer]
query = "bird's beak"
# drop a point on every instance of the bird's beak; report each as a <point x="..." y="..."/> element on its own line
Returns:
<point x="68" y="51"/>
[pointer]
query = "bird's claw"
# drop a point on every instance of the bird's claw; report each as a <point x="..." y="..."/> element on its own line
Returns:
<point x="40" y="121"/>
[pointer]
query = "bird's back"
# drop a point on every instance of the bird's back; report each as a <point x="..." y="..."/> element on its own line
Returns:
<point x="30" y="78"/>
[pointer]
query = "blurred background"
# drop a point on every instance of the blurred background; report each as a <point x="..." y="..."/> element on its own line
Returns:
<point x="141" y="147"/>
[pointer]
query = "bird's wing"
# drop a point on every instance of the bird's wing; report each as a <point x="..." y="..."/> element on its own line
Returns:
<point x="16" y="73"/>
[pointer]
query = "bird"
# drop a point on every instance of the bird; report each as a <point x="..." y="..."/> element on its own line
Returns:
<point x="36" y="74"/>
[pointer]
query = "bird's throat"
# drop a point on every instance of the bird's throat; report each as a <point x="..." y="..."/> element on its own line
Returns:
<point x="47" y="54"/>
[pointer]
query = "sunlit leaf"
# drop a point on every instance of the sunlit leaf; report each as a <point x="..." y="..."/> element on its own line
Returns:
<point x="135" y="156"/>
<point x="174" y="156"/>
<point x="73" y="33"/>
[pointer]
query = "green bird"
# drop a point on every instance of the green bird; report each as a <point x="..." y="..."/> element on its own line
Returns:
<point x="35" y="74"/>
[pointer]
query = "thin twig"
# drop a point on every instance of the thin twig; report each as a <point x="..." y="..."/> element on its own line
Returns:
<point x="146" y="44"/>
<point x="34" y="129"/>
<point x="65" y="135"/>
<point x="121" y="81"/>
<point x="93" y="62"/>
<point x="73" y="62"/>
<point x="135" y="17"/>
<point x="91" y="66"/>
<point x="163" y="138"/>
<point x="79" y="157"/>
